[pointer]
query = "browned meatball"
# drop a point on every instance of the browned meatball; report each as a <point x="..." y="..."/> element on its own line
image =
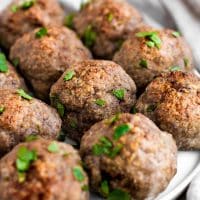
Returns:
<point x="22" y="16"/>
<point x="130" y="153"/>
<point x="172" y="101"/>
<point x="104" y="24"/>
<point x="48" y="57"/>
<point x="149" y="52"/>
<point x="22" y="115"/>
<point x="9" y="78"/>
<point x="90" y="91"/>
<point x="51" y="171"/>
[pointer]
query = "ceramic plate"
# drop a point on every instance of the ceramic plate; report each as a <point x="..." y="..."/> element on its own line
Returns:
<point x="188" y="162"/>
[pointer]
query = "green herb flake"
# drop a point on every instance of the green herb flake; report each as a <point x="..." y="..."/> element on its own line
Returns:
<point x="143" y="63"/>
<point x="175" y="68"/>
<point x="69" y="20"/>
<point x="28" y="4"/>
<point x="69" y="75"/>
<point x="3" y="63"/>
<point x="176" y="34"/>
<point x="16" y="62"/>
<point x="119" y="43"/>
<point x="31" y="138"/>
<point x="25" y="157"/>
<point x="105" y="141"/>
<point x="89" y="36"/>
<point x="14" y="8"/>
<point x="119" y="93"/>
<point x="121" y="130"/>
<point x="85" y="188"/>
<point x="116" y="150"/>
<point x="60" y="108"/>
<point x="151" y="108"/>
<point x="41" y="32"/>
<point x="153" y="40"/>
<point x="113" y="119"/>
<point x="119" y="194"/>
<point x="53" y="147"/>
<point x="21" y="177"/>
<point x="78" y="174"/>
<point x="150" y="44"/>
<point x="100" y="102"/>
<point x="104" y="188"/>
<point x="24" y="95"/>
<point x="186" y="62"/>
<point x="2" y="109"/>
<point x="110" y="17"/>
<point x="97" y="150"/>
<point x="73" y="124"/>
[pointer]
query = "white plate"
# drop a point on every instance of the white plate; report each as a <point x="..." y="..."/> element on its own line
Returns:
<point x="188" y="162"/>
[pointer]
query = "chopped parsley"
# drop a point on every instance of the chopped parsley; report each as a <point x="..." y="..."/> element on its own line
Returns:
<point x="151" y="108"/>
<point x="143" y="63"/>
<point x="186" y="62"/>
<point x="104" y="188"/>
<point x="15" y="62"/>
<point x="41" y="32"/>
<point x="53" y="147"/>
<point x="69" y="75"/>
<point x="69" y="20"/>
<point x="176" y="34"/>
<point x="24" y="6"/>
<point x="25" y="157"/>
<point x="73" y="123"/>
<point x="78" y="174"/>
<point x="119" y="93"/>
<point x="31" y="138"/>
<point x="60" y="108"/>
<point x="2" y="109"/>
<point x="113" y="119"/>
<point x="152" y="39"/>
<point x="106" y="147"/>
<point x="24" y="95"/>
<point x="118" y="194"/>
<point x="100" y="102"/>
<point x="110" y="17"/>
<point x="89" y="36"/>
<point x="175" y="68"/>
<point x="27" y="4"/>
<point x="14" y="8"/>
<point x="121" y="130"/>
<point x="119" y="43"/>
<point x="3" y="63"/>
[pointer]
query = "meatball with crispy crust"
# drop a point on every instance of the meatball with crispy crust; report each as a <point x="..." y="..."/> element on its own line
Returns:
<point x="9" y="78"/>
<point x="22" y="115"/>
<point x="149" y="52"/>
<point x="90" y="91"/>
<point x="50" y="52"/>
<point x="172" y="101"/>
<point x="23" y="16"/>
<point x="51" y="171"/>
<point x="104" y="24"/>
<point x="127" y="154"/>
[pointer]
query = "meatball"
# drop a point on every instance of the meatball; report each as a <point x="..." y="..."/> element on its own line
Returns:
<point x="24" y="16"/>
<point x="48" y="56"/>
<point x="9" y="78"/>
<point x="104" y="24"/>
<point x="172" y="101"/>
<point x="90" y="91"/>
<point x="22" y="115"/>
<point x="127" y="154"/>
<point x="51" y="171"/>
<point x="149" y="52"/>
